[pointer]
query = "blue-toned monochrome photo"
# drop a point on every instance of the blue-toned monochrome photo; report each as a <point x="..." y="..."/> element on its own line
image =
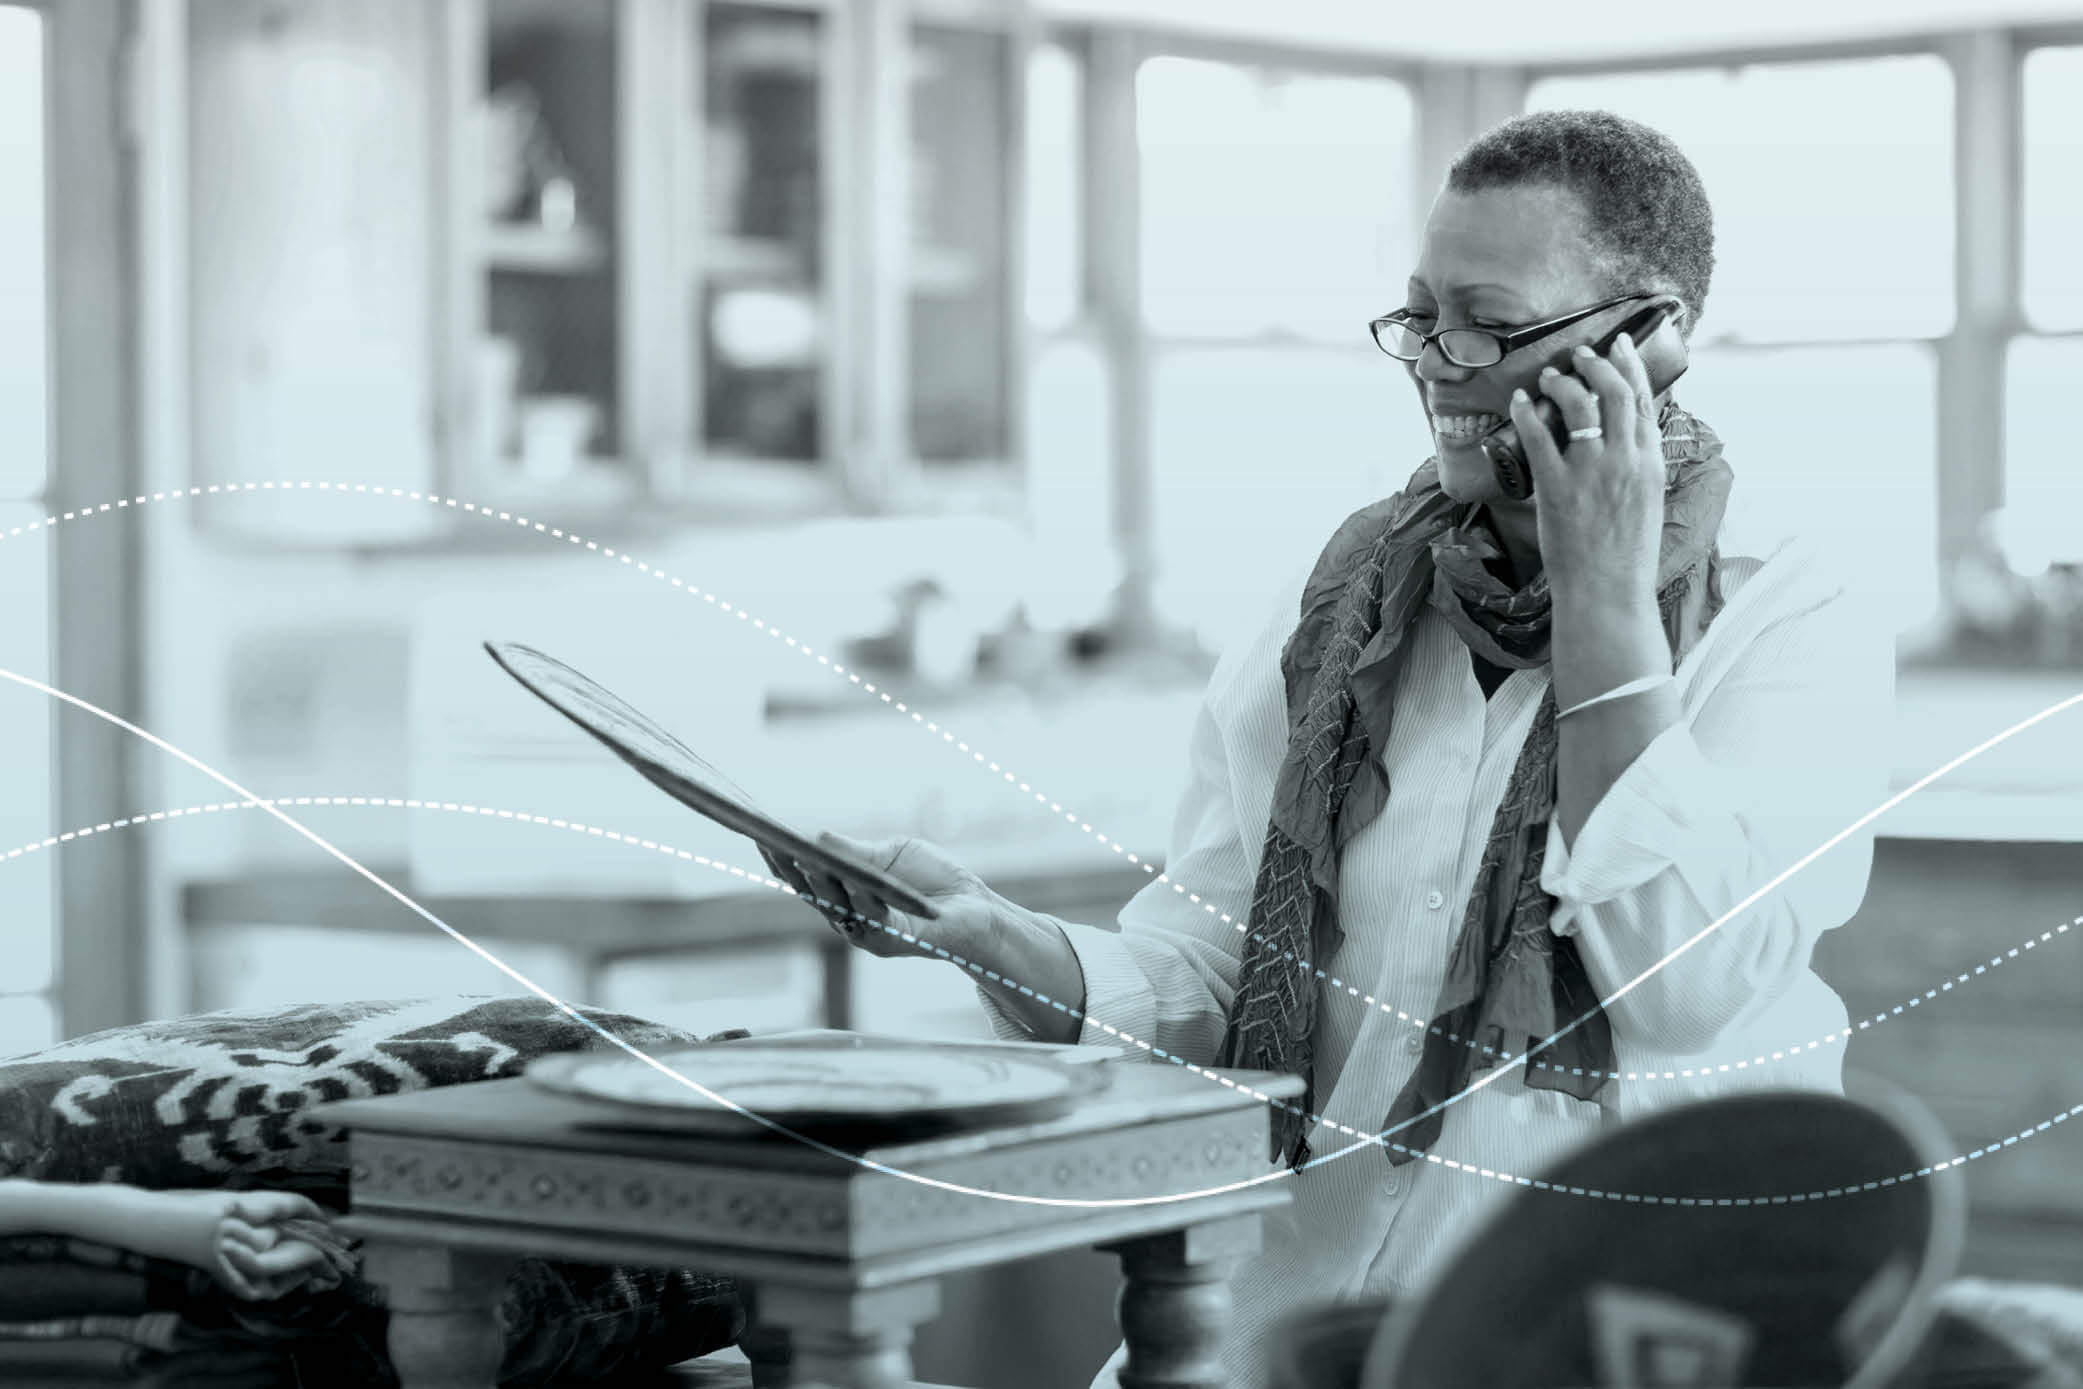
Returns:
<point x="1047" y="694"/>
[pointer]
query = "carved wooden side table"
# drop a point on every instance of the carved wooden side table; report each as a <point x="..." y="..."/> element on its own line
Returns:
<point x="451" y="1185"/>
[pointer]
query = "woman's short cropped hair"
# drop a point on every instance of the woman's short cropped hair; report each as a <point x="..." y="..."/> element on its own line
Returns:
<point x="1649" y="220"/>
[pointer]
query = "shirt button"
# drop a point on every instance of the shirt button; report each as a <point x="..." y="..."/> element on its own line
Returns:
<point x="1435" y="899"/>
<point x="1392" y="1184"/>
<point x="1414" y="1044"/>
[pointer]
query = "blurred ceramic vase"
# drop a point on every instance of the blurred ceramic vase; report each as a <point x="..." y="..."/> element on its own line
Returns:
<point x="498" y="364"/>
<point x="555" y="433"/>
<point x="510" y="121"/>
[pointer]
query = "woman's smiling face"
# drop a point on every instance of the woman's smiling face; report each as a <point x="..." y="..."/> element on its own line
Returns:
<point x="1496" y="258"/>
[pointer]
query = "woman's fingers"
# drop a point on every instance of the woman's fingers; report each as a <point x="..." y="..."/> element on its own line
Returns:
<point x="1616" y="397"/>
<point x="1628" y="358"/>
<point x="255" y="1235"/>
<point x="853" y="906"/>
<point x="229" y="1274"/>
<point x="261" y="1275"/>
<point x="1541" y="454"/>
<point x="290" y="1256"/>
<point x="268" y="1207"/>
<point x="1573" y="397"/>
<point x="783" y="869"/>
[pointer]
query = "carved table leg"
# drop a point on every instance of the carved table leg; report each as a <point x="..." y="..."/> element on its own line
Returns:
<point x="846" y="1340"/>
<point x="765" y="1347"/>
<point x="444" y="1313"/>
<point x="1174" y="1306"/>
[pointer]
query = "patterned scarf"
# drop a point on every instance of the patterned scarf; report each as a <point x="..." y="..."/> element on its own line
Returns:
<point x="1510" y="982"/>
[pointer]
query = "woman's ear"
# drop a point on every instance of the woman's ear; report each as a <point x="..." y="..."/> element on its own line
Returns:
<point x="1681" y="318"/>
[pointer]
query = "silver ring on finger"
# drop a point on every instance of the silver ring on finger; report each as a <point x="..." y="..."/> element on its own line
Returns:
<point x="1591" y="421"/>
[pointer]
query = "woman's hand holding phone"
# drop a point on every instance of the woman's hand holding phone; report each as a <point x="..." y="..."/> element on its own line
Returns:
<point x="1600" y="499"/>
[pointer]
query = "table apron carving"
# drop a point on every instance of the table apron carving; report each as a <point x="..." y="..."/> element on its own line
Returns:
<point x="864" y="1214"/>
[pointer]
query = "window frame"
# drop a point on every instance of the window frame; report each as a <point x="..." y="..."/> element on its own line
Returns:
<point x="1987" y="64"/>
<point x="1113" y="57"/>
<point x="91" y="120"/>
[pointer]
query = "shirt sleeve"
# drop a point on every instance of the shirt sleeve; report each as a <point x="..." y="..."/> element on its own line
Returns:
<point x="1164" y="982"/>
<point x="1719" y="821"/>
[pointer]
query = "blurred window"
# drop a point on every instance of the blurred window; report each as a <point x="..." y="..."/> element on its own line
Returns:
<point x="1070" y="414"/>
<point x="1257" y="454"/>
<point x="1272" y="201"/>
<point x="1833" y="190"/>
<point x="2042" y="520"/>
<point x="2053" y="165"/>
<point x="1055" y="200"/>
<point x="1277" y="218"/>
<point x="1832" y="185"/>
<point x="24" y="322"/>
<point x="2043" y="485"/>
<point x="28" y="913"/>
<point x="1840" y="442"/>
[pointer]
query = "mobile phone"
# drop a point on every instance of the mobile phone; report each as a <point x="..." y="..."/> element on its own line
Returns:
<point x="1663" y="357"/>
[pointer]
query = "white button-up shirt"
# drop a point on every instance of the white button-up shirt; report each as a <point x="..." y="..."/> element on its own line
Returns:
<point x="1786" y="700"/>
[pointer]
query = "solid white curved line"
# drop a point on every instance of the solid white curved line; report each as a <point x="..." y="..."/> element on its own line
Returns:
<point x="1488" y="1078"/>
<point x="616" y="836"/>
<point x="1509" y="1063"/>
<point x="525" y="982"/>
<point x="1469" y="1168"/>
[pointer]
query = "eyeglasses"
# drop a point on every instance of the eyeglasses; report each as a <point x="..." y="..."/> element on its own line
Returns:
<point x="1471" y="347"/>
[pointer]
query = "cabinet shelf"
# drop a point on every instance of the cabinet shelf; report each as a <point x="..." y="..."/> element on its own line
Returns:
<point x="729" y="257"/>
<point x="542" y="251"/>
<point x="944" y="271"/>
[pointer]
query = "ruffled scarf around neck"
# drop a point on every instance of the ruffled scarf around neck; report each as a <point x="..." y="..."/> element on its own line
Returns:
<point x="1510" y="982"/>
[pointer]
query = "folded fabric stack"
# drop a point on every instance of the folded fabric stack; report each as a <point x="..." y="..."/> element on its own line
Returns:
<point x="219" y="1103"/>
<point x="72" y="1308"/>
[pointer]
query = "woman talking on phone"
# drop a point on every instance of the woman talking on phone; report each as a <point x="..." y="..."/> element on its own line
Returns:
<point x="1494" y="765"/>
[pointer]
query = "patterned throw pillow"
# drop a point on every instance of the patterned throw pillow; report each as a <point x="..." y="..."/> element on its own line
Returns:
<point x="223" y="1100"/>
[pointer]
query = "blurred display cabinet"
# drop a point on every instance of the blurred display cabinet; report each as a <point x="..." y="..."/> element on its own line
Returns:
<point x="959" y="287"/>
<point x="595" y="259"/>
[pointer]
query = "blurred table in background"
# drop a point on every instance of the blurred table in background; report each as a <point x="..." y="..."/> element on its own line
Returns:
<point x="597" y="932"/>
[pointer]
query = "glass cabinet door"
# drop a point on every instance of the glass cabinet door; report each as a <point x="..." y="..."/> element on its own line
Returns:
<point x="545" y="360"/>
<point x="762" y="304"/>
<point x="961" y="162"/>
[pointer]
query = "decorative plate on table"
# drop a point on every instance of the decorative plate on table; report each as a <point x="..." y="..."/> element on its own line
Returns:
<point x="674" y="768"/>
<point x="907" y="1089"/>
<point x="1061" y="1053"/>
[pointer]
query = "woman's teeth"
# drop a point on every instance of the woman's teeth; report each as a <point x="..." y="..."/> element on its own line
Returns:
<point x="1462" y="428"/>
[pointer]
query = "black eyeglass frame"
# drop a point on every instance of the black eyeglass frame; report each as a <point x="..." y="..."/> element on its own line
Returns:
<point x="1507" y="343"/>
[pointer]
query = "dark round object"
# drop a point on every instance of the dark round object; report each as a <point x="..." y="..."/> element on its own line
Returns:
<point x="1826" y="1227"/>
